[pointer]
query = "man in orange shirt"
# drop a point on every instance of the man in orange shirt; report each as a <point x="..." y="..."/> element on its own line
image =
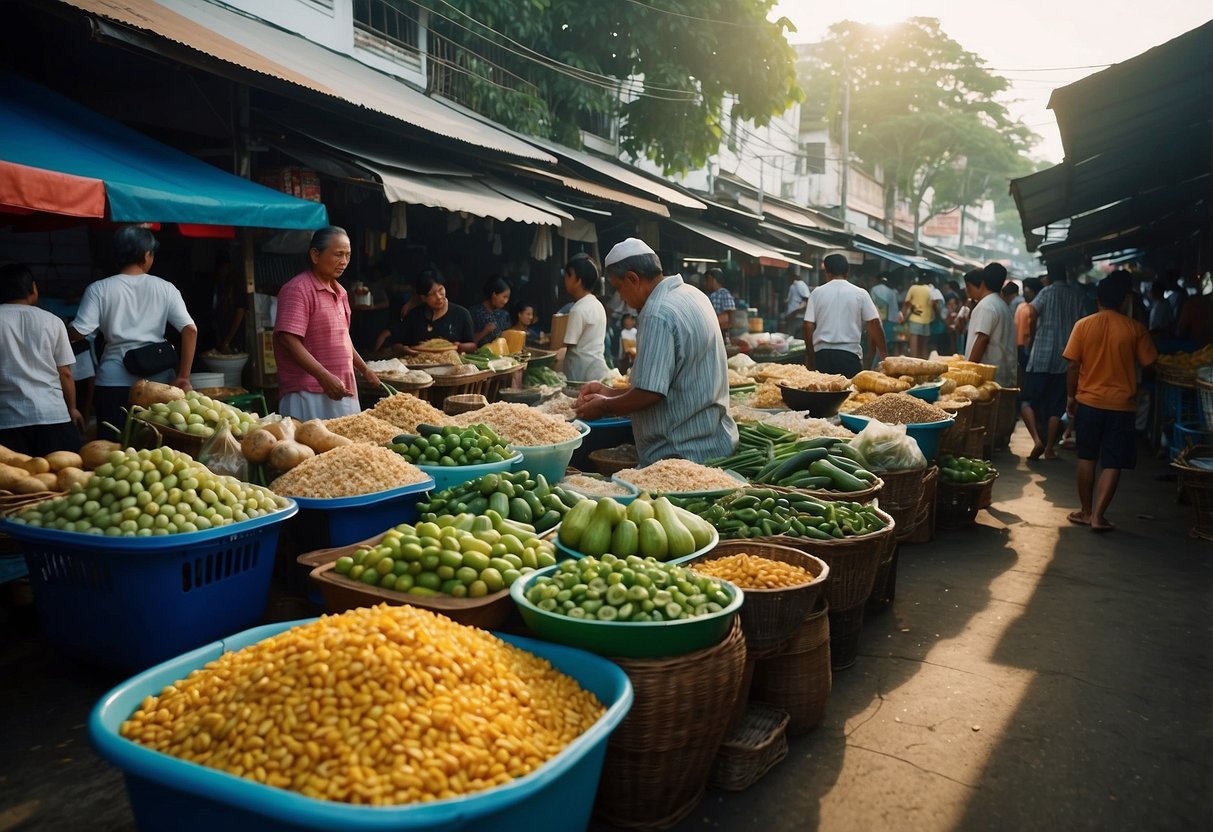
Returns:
<point x="1101" y="383"/>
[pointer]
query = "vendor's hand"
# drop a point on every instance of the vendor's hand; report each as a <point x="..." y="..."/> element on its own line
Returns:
<point x="184" y="383"/>
<point x="591" y="407"/>
<point x="370" y="377"/>
<point x="589" y="390"/>
<point x="334" y="387"/>
<point x="77" y="419"/>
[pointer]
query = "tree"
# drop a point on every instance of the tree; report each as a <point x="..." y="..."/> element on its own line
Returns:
<point x="663" y="67"/>
<point x="923" y="110"/>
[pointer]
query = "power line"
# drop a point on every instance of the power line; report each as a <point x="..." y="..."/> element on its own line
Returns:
<point x="714" y="20"/>
<point x="1046" y="68"/>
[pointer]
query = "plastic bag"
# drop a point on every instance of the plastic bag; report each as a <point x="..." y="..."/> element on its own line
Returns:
<point x="221" y="453"/>
<point x="888" y="448"/>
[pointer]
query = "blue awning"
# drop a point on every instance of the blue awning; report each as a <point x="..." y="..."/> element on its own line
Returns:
<point x="900" y="259"/>
<point x="47" y="138"/>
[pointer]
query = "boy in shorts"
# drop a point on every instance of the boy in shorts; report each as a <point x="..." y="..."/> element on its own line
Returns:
<point x="1101" y="384"/>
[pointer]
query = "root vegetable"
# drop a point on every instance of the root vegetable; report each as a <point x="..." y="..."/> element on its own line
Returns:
<point x="35" y="465"/>
<point x="10" y="476"/>
<point x="59" y="460"/>
<point x="316" y="435"/>
<point x="146" y="393"/>
<point x="50" y="482"/>
<point x="29" y="485"/>
<point x="874" y="382"/>
<point x="288" y="453"/>
<point x="68" y="477"/>
<point x="280" y="429"/>
<point x="11" y="457"/>
<point x="258" y="445"/>
<point x="97" y="453"/>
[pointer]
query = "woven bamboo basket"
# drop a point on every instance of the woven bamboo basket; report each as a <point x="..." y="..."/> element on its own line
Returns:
<point x="1176" y="375"/>
<point x="901" y="497"/>
<point x="983" y="414"/>
<point x="753" y="749"/>
<point x="852" y="561"/>
<point x="884" y="585"/>
<point x="1199" y="485"/>
<point x="502" y="379"/>
<point x="464" y="403"/>
<point x="865" y="496"/>
<point x="798" y="679"/>
<point x="1006" y="412"/>
<point x="957" y="504"/>
<point x="445" y="386"/>
<point x="952" y="441"/>
<point x="924" y="527"/>
<point x="846" y="626"/>
<point x="975" y="443"/>
<point x="607" y="466"/>
<point x="11" y="503"/>
<point x="659" y="758"/>
<point x="770" y="616"/>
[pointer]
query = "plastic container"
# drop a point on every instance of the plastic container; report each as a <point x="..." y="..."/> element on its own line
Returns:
<point x="622" y="639"/>
<point x="926" y="392"/>
<point x="231" y="366"/>
<point x="622" y="499"/>
<point x="550" y="460"/>
<point x="820" y="404"/>
<point x="742" y="482"/>
<point x="351" y="519"/>
<point x="131" y="602"/>
<point x="169" y="793"/>
<point x="206" y="381"/>
<point x="926" y="434"/>
<point x="575" y="555"/>
<point x="446" y="476"/>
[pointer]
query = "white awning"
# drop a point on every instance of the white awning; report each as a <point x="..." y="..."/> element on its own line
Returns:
<point x="213" y="30"/>
<point x="465" y="195"/>
<point x="736" y="242"/>
<point x="584" y="186"/>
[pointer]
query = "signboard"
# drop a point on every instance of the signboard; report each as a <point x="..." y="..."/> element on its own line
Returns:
<point x="943" y="225"/>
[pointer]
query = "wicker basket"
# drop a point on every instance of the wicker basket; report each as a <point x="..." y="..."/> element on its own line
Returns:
<point x="1006" y="411"/>
<point x="957" y="504"/>
<point x="1204" y="392"/>
<point x="464" y="403"/>
<point x="1199" y="485"/>
<point x="798" y="679"/>
<point x="884" y="587"/>
<point x="146" y="435"/>
<point x="901" y="497"/>
<point x="607" y="466"/>
<point x="1177" y="375"/>
<point x="924" y="528"/>
<point x="983" y="414"/>
<point x="865" y="496"/>
<point x="659" y="758"/>
<point x="952" y="440"/>
<point x="771" y="616"/>
<point x="975" y="443"/>
<point x="852" y="561"/>
<point x="845" y="628"/>
<point x="11" y="503"/>
<point x="753" y="749"/>
<point x="451" y="385"/>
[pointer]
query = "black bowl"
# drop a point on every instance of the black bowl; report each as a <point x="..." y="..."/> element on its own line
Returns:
<point x="819" y="404"/>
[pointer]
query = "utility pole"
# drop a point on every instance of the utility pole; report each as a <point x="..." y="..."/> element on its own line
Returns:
<point x="846" y="141"/>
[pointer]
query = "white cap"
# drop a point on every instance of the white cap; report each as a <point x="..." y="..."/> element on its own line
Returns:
<point x="631" y="247"/>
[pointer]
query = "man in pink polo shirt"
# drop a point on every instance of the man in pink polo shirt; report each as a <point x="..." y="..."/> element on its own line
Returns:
<point x="316" y="358"/>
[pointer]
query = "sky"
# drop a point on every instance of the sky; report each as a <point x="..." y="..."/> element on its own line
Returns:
<point x="1031" y="42"/>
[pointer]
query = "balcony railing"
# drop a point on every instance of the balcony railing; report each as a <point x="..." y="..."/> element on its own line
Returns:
<point x="393" y="20"/>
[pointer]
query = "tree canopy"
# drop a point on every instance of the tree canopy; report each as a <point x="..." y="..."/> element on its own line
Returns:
<point x="664" y="67"/>
<point x="923" y="109"/>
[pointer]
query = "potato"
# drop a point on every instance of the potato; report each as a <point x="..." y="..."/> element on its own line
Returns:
<point x="278" y="429"/>
<point x="10" y="475"/>
<point x="49" y="481"/>
<point x="96" y="452"/>
<point x="146" y="393"/>
<point x="257" y="445"/>
<point x="59" y="460"/>
<point x="35" y="465"/>
<point x="287" y="454"/>
<point x="29" y="485"/>
<point x="68" y="477"/>
<point x="11" y="457"/>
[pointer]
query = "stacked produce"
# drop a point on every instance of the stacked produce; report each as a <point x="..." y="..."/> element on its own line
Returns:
<point x="196" y="414"/>
<point x="901" y="409"/>
<point x="814" y="381"/>
<point x="462" y="556"/>
<point x="451" y="446"/>
<point x="232" y="716"/>
<point x="755" y="572"/>
<point x="1187" y="361"/>
<point x="760" y="512"/>
<point x="627" y="589"/>
<point x="488" y="358"/>
<point x="670" y="476"/>
<point x="362" y="427"/>
<point x="593" y="486"/>
<point x="151" y="493"/>
<point x="825" y="464"/>
<point x="962" y="469"/>
<point x="520" y="425"/>
<point x="514" y="496"/>
<point x="542" y="377"/>
<point x="58" y="471"/>
<point x="348" y="471"/>
<point x="406" y="412"/>
<point x="650" y="528"/>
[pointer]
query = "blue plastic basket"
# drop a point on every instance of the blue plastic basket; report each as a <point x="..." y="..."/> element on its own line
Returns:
<point x="351" y="519"/>
<point x="168" y="793"/>
<point x="550" y="460"/>
<point x="130" y="602"/>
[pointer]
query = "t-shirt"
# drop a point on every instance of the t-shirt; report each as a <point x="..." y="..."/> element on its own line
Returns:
<point x="838" y="311"/>
<point x="585" y="339"/>
<point x="483" y="316"/>
<point x="885" y="298"/>
<point x="922" y="307"/>
<point x="680" y="355"/>
<point x="319" y="313"/>
<point x="130" y="310"/>
<point x="798" y="293"/>
<point x="1105" y="346"/>
<point x="416" y="327"/>
<point x="992" y="317"/>
<point x="33" y="346"/>
<point x="1058" y="306"/>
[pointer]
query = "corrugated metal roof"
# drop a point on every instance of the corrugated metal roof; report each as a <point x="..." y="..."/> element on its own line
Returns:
<point x="584" y="186"/>
<point x="229" y="36"/>
<point x="462" y="194"/>
<point x="737" y="242"/>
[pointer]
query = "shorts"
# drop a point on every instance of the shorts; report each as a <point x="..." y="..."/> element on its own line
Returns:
<point x="1045" y="393"/>
<point x="841" y="362"/>
<point x="1106" y="435"/>
<point x="919" y="329"/>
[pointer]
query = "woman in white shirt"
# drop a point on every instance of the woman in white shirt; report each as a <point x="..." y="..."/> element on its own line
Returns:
<point x="131" y="309"/>
<point x="585" y="335"/>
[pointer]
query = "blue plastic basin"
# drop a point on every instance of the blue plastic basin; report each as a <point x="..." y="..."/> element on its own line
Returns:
<point x="926" y="434"/>
<point x="448" y="476"/>
<point x="550" y="460"/>
<point x="169" y="793"/>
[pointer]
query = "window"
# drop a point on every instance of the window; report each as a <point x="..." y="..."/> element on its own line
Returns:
<point x="393" y="20"/>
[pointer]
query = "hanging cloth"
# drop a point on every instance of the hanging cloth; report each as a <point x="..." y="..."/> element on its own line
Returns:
<point x="541" y="246"/>
<point x="399" y="226"/>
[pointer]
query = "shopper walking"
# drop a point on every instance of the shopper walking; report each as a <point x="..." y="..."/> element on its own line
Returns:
<point x="835" y="318"/>
<point x="1053" y="314"/>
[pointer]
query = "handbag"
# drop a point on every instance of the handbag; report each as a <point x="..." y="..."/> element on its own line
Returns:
<point x="150" y="359"/>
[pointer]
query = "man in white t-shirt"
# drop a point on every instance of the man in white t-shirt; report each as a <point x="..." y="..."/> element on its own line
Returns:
<point x="585" y="335"/>
<point x="991" y="329"/>
<point x="834" y="322"/>
<point x="37" y="395"/>
<point x="795" y="300"/>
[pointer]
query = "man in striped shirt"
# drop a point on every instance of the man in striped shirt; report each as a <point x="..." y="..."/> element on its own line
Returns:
<point x="679" y="398"/>
<point x="1052" y="315"/>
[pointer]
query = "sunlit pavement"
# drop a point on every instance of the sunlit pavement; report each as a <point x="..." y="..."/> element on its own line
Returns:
<point x="1030" y="675"/>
